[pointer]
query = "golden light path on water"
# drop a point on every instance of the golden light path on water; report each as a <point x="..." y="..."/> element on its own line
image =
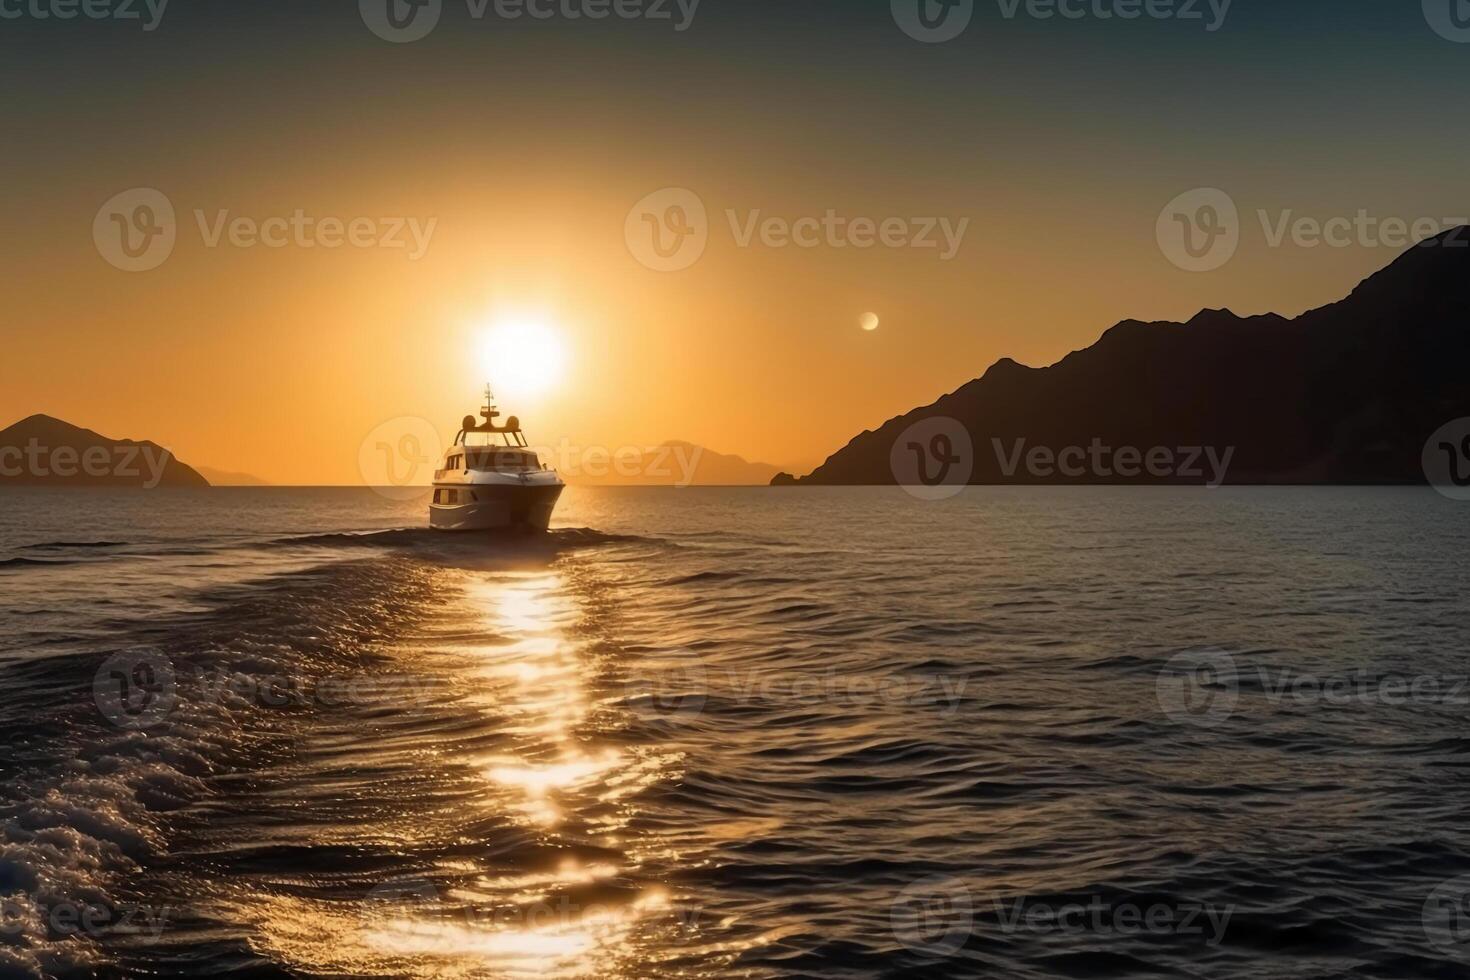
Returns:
<point x="554" y="778"/>
<point x="536" y="681"/>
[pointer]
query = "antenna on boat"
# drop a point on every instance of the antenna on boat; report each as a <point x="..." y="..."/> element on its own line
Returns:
<point x="488" y="413"/>
<point x="510" y="433"/>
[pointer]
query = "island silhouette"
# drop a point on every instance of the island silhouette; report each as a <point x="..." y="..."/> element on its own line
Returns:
<point x="1344" y="394"/>
<point x="45" y="451"/>
<point x="675" y="463"/>
<point x="229" y="478"/>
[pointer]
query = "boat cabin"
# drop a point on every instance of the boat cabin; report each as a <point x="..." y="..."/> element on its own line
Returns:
<point x="491" y="447"/>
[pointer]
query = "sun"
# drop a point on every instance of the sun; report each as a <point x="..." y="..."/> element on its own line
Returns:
<point x="522" y="357"/>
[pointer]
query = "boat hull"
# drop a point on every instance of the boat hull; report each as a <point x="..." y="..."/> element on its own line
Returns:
<point x="496" y="508"/>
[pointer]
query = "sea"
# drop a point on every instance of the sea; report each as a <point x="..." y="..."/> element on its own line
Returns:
<point x="736" y="733"/>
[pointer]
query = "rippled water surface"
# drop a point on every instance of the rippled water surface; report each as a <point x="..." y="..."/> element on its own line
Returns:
<point x="737" y="733"/>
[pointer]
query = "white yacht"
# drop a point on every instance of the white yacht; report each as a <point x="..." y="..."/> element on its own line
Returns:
<point x="491" y="479"/>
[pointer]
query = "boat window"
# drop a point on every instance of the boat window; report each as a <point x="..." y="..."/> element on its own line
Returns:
<point x="503" y="459"/>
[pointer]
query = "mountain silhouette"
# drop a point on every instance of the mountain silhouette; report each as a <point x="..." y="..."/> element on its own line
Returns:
<point x="674" y="463"/>
<point x="228" y="478"/>
<point x="44" y="451"/>
<point x="1347" y="393"/>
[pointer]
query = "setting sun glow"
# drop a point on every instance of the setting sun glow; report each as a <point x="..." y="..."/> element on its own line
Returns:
<point x="522" y="357"/>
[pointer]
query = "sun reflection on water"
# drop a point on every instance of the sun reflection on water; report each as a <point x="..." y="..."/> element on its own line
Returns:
<point x="536" y="678"/>
<point x="550" y="776"/>
<point x="539" y="941"/>
<point x="557" y="781"/>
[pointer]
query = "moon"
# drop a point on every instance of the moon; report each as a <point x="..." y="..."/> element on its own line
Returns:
<point x="869" y="322"/>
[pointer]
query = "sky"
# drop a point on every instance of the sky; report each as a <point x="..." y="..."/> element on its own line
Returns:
<point x="1011" y="191"/>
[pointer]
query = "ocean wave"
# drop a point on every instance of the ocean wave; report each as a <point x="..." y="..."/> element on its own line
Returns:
<point x="36" y="562"/>
<point x="427" y="540"/>
<point x="91" y="790"/>
<point x="60" y="545"/>
<point x="783" y="744"/>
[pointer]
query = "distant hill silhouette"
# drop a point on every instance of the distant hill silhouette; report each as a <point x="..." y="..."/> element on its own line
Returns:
<point x="225" y="478"/>
<point x="43" y="451"/>
<point x="672" y="464"/>
<point x="1343" y="394"/>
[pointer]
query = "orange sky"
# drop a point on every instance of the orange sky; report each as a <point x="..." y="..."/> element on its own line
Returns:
<point x="280" y="361"/>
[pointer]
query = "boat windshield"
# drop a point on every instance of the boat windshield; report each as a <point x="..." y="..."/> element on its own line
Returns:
<point x="502" y="459"/>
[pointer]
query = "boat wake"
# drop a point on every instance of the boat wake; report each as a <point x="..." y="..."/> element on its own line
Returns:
<point x="482" y="550"/>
